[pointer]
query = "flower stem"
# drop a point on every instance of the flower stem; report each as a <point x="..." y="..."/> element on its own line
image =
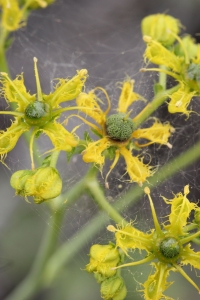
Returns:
<point x="153" y="105"/>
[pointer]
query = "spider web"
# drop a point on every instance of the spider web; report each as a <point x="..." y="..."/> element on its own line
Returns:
<point x="103" y="37"/>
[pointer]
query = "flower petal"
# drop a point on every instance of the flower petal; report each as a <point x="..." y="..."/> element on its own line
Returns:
<point x="157" y="283"/>
<point x="93" y="152"/>
<point x="190" y="257"/>
<point x="60" y="137"/>
<point x="90" y="101"/>
<point x="127" y="96"/>
<point x="159" y="55"/>
<point x="180" y="100"/>
<point x="181" y="208"/>
<point x="157" y="133"/>
<point x="9" y="138"/>
<point x="129" y="237"/>
<point x="15" y="91"/>
<point x="67" y="89"/>
<point x="136" y="169"/>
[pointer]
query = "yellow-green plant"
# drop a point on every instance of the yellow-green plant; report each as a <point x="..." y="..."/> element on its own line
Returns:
<point x="121" y="133"/>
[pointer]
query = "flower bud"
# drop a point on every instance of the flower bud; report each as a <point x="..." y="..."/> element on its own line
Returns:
<point x="45" y="184"/>
<point x="159" y="27"/>
<point x="113" y="289"/>
<point x="102" y="259"/>
<point x="18" y="180"/>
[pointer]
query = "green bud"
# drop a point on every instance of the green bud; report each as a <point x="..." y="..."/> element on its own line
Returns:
<point x="159" y="28"/>
<point x="18" y="180"/>
<point x="45" y="184"/>
<point x="189" y="46"/>
<point x="119" y="127"/>
<point x="169" y="247"/>
<point x="37" y="113"/>
<point x="113" y="289"/>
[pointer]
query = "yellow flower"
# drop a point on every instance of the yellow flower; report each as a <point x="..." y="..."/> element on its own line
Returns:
<point x="167" y="244"/>
<point x="159" y="27"/>
<point x="39" y="111"/>
<point x="183" y="65"/>
<point x="116" y="133"/>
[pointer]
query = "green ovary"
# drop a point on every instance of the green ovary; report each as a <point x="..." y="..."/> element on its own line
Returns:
<point x="170" y="248"/>
<point x="37" y="113"/>
<point x="119" y="127"/>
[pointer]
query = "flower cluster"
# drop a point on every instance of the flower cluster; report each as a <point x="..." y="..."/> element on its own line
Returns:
<point x="117" y="133"/>
<point x="167" y="245"/>
<point x="179" y="57"/>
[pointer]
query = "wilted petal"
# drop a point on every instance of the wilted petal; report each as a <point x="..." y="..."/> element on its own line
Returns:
<point x="60" y="137"/>
<point x="127" y="96"/>
<point x="158" y="133"/>
<point x="180" y="101"/>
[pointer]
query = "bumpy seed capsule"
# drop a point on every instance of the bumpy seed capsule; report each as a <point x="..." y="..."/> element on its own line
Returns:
<point x="119" y="127"/>
<point x="170" y="247"/>
<point x="37" y="113"/>
<point x="113" y="288"/>
<point x="160" y="28"/>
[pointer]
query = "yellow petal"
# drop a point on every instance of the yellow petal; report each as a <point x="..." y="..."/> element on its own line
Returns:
<point x="136" y="169"/>
<point x="181" y="208"/>
<point x="158" y="133"/>
<point x="94" y="150"/>
<point x="9" y="138"/>
<point x="157" y="283"/>
<point x="159" y="55"/>
<point x="128" y="238"/>
<point x="90" y="101"/>
<point x="60" y="137"/>
<point x="180" y="101"/>
<point x="15" y="91"/>
<point x="67" y="89"/>
<point x="190" y="257"/>
<point x="127" y="96"/>
<point x="11" y="15"/>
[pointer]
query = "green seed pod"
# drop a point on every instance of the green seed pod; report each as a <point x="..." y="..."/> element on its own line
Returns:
<point x="18" y="180"/>
<point x="160" y="28"/>
<point x="113" y="289"/>
<point x="37" y="113"/>
<point x="119" y="127"/>
<point x="45" y="184"/>
<point x="102" y="259"/>
<point x="170" y="248"/>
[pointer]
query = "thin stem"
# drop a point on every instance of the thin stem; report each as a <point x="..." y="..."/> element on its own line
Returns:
<point x="153" y="105"/>
<point x="69" y="249"/>
<point x="3" y="62"/>
<point x="14" y="113"/>
<point x="54" y="158"/>
<point x="162" y="78"/>
<point x="98" y="195"/>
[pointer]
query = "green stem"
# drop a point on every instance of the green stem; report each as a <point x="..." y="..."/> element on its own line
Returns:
<point x="31" y="284"/>
<point x="68" y="250"/>
<point x="163" y="78"/>
<point x="98" y="195"/>
<point x="153" y="105"/>
<point x="3" y="62"/>
<point x="54" y="158"/>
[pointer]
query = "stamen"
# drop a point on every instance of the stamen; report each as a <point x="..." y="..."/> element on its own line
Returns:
<point x="186" y="277"/>
<point x="107" y="97"/>
<point x="160" y="70"/>
<point x="39" y="91"/>
<point x="31" y="147"/>
<point x="88" y="123"/>
<point x="155" y="219"/>
<point x="140" y="262"/>
<point x="187" y="61"/>
<point x="117" y="155"/>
